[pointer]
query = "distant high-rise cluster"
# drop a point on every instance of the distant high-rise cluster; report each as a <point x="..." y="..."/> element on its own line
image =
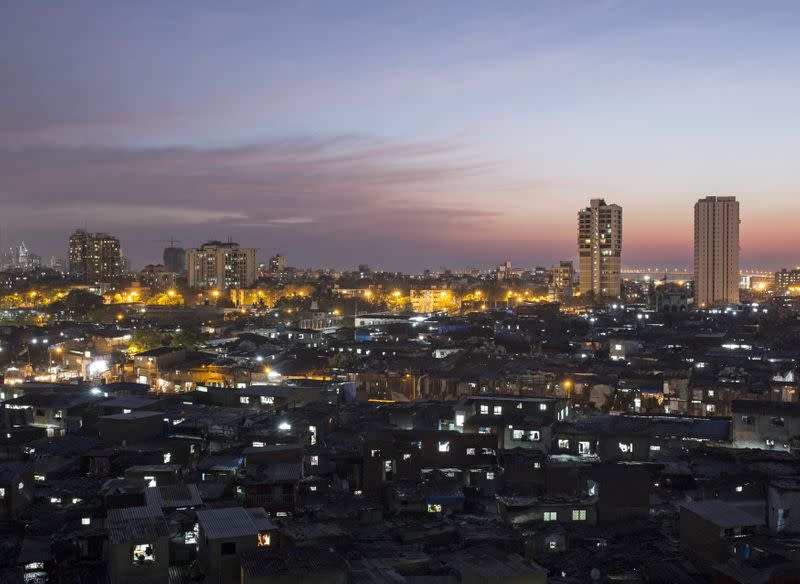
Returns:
<point x="716" y="251"/>
<point x="221" y="265"/>
<point x="20" y="258"/>
<point x="600" y="249"/>
<point x="95" y="257"/>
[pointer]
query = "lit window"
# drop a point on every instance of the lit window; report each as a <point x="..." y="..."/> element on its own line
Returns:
<point x="267" y="400"/>
<point x="562" y="443"/>
<point x="434" y="508"/>
<point x="459" y="420"/>
<point x="484" y="430"/>
<point x="537" y="465"/>
<point x="444" y="446"/>
<point x="2" y="493"/>
<point x="550" y="516"/>
<point x="490" y="476"/>
<point x="579" y="514"/>
<point x="626" y="448"/>
<point x="257" y="444"/>
<point x="151" y="481"/>
<point x="542" y="407"/>
<point x="484" y="408"/>
<point x="264" y="539"/>
<point x="167" y="457"/>
<point x="517" y="434"/>
<point x="583" y="447"/>
<point x="55" y="500"/>
<point x="312" y="488"/>
<point x="498" y="410"/>
<point x="314" y="460"/>
<point x="86" y="520"/>
<point x="313" y="431"/>
<point x="406" y="456"/>
<point x="534" y="436"/>
<point x="387" y="465"/>
<point x="374" y="453"/>
<point x="244" y="399"/>
<point x="143" y="554"/>
<point x="739" y="488"/>
<point x="470" y="452"/>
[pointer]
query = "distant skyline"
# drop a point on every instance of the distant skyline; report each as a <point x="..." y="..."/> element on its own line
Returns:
<point x="404" y="135"/>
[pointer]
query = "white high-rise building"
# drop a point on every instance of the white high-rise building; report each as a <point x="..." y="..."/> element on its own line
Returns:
<point x="600" y="249"/>
<point x="716" y="251"/>
<point x="221" y="265"/>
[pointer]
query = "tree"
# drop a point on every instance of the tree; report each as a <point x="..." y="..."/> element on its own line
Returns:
<point x="188" y="337"/>
<point x="343" y="360"/>
<point x="78" y="301"/>
<point x="144" y="340"/>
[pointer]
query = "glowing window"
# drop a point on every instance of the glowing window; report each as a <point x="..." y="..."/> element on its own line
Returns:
<point x="579" y="514"/>
<point x="143" y="554"/>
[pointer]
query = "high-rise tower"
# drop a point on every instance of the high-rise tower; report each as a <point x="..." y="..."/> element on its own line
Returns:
<point x="716" y="251"/>
<point x="600" y="249"/>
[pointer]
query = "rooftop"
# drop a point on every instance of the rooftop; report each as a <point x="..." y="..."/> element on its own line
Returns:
<point x="136" y="524"/>
<point x="722" y="514"/>
<point x="233" y="522"/>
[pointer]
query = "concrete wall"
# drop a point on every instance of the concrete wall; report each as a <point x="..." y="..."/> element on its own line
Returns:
<point x="121" y="569"/>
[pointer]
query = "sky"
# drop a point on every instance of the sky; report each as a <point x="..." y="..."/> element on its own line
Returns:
<point x="406" y="135"/>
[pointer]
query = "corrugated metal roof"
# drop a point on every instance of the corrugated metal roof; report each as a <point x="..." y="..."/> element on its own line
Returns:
<point x="172" y="496"/>
<point x="233" y="522"/>
<point x="136" y="524"/>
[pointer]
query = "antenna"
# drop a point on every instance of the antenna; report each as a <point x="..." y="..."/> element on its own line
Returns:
<point x="172" y="241"/>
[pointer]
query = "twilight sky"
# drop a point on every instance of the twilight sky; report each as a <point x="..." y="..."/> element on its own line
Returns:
<point x="407" y="135"/>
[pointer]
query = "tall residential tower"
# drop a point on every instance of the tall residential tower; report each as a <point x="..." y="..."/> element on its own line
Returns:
<point x="95" y="257"/>
<point x="222" y="265"/>
<point x="716" y="251"/>
<point x="600" y="249"/>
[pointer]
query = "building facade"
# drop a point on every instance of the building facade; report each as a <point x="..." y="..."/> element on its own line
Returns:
<point x="716" y="251"/>
<point x="787" y="280"/>
<point x="95" y="257"/>
<point x="222" y="265"/>
<point x="277" y="264"/>
<point x="600" y="249"/>
<point x="559" y="281"/>
<point x="175" y="260"/>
